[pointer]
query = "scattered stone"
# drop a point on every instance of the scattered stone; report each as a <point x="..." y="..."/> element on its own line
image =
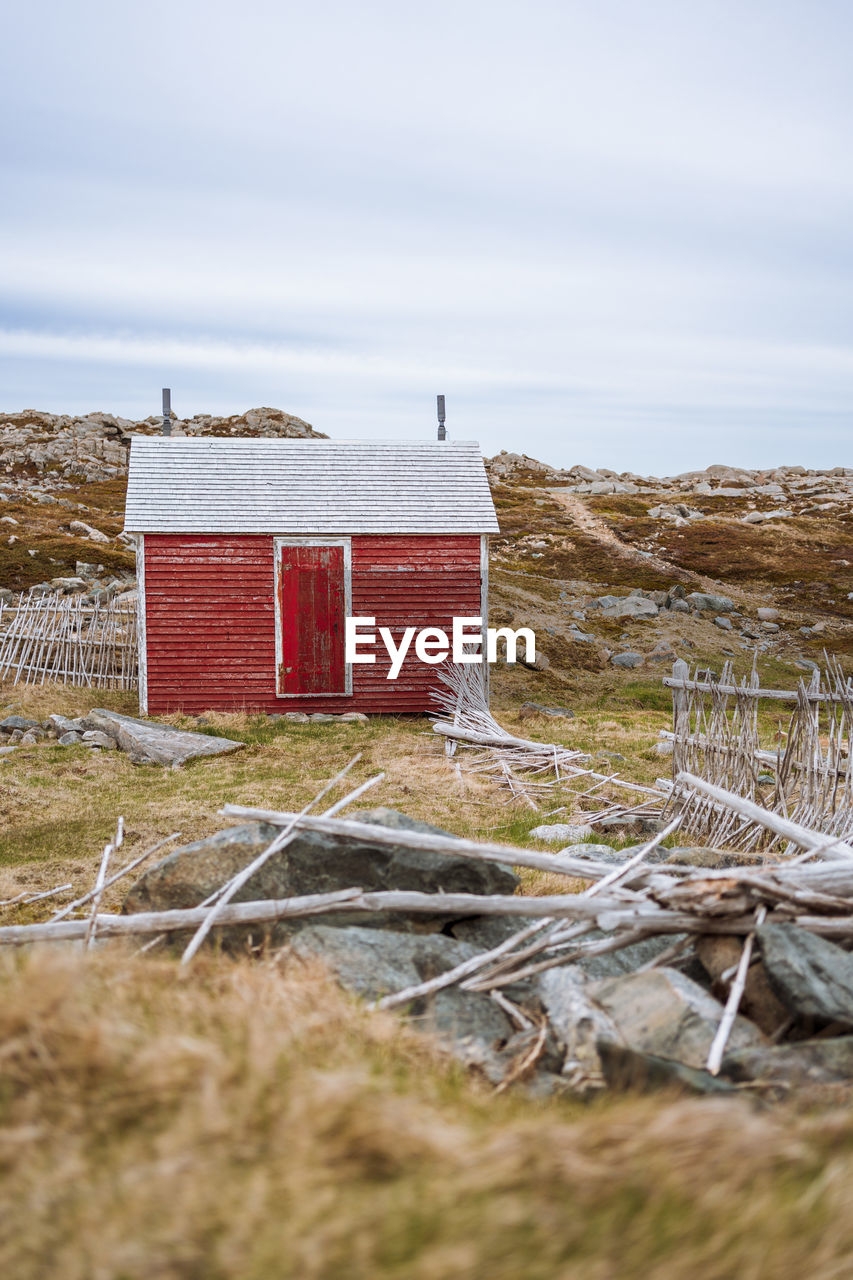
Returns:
<point x="31" y="738"/>
<point x="762" y="517"/>
<point x="96" y="738"/>
<point x="529" y="709"/>
<point x="354" y="717"/>
<point x="62" y="724"/>
<point x="710" y="603"/>
<point x="725" y="624"/>
<point x="719" y="954"/>
<point x="18" y="722"/>
<point x="562" y="832"/>
<point x="767" y="614"/>
<point x="629" y="659"/>
<point x="376" y="962"/>
<point x="293" y="717"/>
<point x="86" y="530"/>
<point x="539" y="663"/>
<point x="599" y="852"/>
<point x="7" y="751"/>
<point x="811" y="976"/>
<point x="70" y="739"/>
<point x="637" y="607"/>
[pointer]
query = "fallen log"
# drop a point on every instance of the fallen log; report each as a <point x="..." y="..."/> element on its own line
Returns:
<point x="507" y="855"/>
<point x="815" y="842"/>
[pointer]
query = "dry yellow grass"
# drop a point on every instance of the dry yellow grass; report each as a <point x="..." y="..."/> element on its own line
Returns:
<point x="58" y="805"/>
<point x="253" y="1123"/>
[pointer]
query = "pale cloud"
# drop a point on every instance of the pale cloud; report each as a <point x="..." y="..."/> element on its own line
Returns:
<point x="613" y="233"/>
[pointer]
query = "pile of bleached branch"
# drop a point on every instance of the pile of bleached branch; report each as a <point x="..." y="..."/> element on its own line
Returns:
<point x="625" y="904"/>
<point x="633" y="900"/>
<point x="528" y="770"/>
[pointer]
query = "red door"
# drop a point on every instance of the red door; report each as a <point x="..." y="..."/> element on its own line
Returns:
<point x="312" y="611"/>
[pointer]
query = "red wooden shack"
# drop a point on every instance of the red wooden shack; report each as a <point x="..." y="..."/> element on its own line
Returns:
<point x="252" y="552"/>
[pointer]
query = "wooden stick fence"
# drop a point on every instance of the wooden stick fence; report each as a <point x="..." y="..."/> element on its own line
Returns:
<point x="804" y="776"/>
<point x="66" y="639"/>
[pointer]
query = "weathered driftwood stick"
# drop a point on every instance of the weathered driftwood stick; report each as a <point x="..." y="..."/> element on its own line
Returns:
<point x="236" y="913"/>
<point x="283" y="838"/>
<point x="506" y="855"/>
<point x="462" y="970"/>
<point x="619" y="873"/>
<point x="109" y="850"/>
<point x="718" y="1046"/>
<point x="461" y="734"/>
<point x="778" y="695"/>
<point x="512" y="1011"/>
<point x="353" y="796"/>
<point x="627" y="911"/>
<point x="24" y="898"/>
<point x="506" y="978"/>
<point x="529" y="1060"/>
<point x="117" y="875"/>
<point x="802" y="836"/>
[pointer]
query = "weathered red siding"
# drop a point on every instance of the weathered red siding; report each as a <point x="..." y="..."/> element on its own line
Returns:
<point x="210" y="618"/>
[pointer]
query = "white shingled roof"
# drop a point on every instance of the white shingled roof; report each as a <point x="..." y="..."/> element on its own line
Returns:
<point x="205" y="484"/>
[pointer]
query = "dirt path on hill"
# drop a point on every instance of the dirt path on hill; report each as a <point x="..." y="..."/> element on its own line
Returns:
<point x="592" y="525"/>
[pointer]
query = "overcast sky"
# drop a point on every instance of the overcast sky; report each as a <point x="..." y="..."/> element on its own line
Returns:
<point x="611" y="232"/>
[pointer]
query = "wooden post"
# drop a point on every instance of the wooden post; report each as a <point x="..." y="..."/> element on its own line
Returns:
<point x="680" y="716"/>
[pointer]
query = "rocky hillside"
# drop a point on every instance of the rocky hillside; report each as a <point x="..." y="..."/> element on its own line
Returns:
<point x="615" y="571"/>
<point x="630" y="571"/>
<point x="61" y="451"/>
<point x="62" y="487"/>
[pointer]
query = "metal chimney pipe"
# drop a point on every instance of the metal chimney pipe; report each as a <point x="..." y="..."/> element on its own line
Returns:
<point x="167" y="411"/>
<point x="442" y="432"/>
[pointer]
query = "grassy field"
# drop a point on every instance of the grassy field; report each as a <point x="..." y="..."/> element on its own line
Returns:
<point x="249" y="1120"/>
<point x="59" y="805"/>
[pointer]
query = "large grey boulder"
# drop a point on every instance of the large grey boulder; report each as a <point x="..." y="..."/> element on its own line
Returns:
<point x="805" y="1062"/>
<point x="376" y="962"/>
<point x="315" y="863"/>
<point x="812" y="977"/>
<point x="157" y="743"/>
<point x="579" y="1019"/>
<point x="665" y="1013"/>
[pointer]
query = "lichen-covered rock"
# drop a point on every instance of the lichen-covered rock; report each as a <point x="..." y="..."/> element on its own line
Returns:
<point x="665" y="1013"/>
<point x="315" y="863"/>
<point x="811" y="976"/>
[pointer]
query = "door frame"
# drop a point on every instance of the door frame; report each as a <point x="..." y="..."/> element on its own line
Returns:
<point x="278" y="544"/>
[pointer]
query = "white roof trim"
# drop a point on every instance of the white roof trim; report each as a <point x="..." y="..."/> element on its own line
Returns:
<point x="207" y="484"/>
